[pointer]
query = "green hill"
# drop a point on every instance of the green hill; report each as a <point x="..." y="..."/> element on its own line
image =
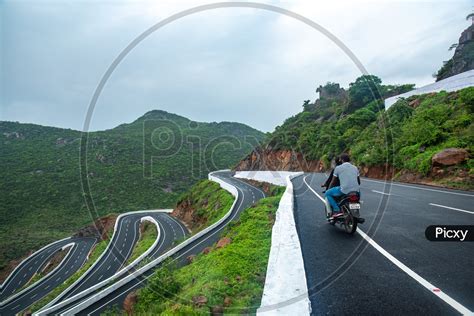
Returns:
<point x="146" y="164"/>
<point x="402" y="140"/>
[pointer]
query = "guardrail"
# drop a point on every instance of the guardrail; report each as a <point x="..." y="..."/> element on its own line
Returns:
<point x="91" y="300"/>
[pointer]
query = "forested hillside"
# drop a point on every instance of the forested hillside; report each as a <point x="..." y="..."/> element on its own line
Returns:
<point x="427" y="138"/>
<point x="146" y="164"/>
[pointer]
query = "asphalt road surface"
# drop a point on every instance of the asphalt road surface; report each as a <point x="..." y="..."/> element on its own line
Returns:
<point x="122" y="246"/>
<point x="347" y="275"/>
<point x="248" y="196"/>
<point x="72" y="262"/>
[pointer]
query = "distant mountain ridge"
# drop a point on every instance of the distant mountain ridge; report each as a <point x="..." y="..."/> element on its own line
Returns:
<point x="145" y="164"/>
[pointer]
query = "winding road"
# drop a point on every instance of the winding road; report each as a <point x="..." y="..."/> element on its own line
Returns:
<point x="113" y="259"/>
<point x="77" y="255"/>
<point x="399" y="270"/>
<point x="248" y="195"/>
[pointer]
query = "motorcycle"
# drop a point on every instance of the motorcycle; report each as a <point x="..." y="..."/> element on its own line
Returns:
<point x="350" y="207"/>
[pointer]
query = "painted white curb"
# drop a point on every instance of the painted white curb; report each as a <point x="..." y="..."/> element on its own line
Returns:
<point x="91" y="300"/>
<point x="52" y="306"/>
<point x="285" y="291"/>
<point x="44" y="278"/>
<point x="453" y="83"/>
<point x="28" y="259"/>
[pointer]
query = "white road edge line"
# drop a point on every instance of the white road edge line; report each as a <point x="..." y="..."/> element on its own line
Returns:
<point x="452" y="208"/>
<point x="436" y="291"/>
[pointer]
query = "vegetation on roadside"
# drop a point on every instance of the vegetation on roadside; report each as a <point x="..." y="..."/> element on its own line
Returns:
<point x="228" y="278"/>
<point x="147" y="163"/>
<point x="406" y="136"/>
<point x="148" y="235"/>
<point x="204" y="204"/>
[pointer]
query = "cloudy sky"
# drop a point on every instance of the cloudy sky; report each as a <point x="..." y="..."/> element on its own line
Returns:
<point x="238" y="64"/>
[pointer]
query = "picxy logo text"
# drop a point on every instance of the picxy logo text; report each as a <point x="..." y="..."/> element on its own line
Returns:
<point x="450" y="233"/>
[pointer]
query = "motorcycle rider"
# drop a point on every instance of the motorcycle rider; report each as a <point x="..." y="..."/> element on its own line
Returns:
<point x="327" y="183"/>
<point x="348" y="176"/>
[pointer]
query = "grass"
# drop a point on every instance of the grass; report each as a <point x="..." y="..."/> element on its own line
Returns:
<point x="148" y="236"/>
<point x="208" y="203"/>
<point x="406" y="136"/>
<point x="236" y="272"/>
<point x="129" y="168"/>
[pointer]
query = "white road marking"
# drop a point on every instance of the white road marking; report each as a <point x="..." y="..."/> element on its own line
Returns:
<point x="33" y="296"/>
<point x="13" y="308"/>
<point x="452" y="208"/>
<point x="46" y="287"/>
<point x="30" y="269"/>
<point x="414" y="187"/>
<point x="184" y="253"/>
<point x="436" y="291"/>
<point x="100" y="278"/>
<point x="380" y="192"/>
<point x="108" y="268"/>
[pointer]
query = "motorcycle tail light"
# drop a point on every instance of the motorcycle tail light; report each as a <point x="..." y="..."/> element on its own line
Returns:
<point x="353" y="198"/>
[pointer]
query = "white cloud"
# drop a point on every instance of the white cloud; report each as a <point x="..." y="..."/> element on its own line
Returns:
<point x="226" y="64"/>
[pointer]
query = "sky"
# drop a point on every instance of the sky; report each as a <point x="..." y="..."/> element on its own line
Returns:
<point x="233" y="64"/>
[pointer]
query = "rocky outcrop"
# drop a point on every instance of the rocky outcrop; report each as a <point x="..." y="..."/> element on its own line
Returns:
<point x="450" y="157"/>
<point x="378" y="172"/>
<point x="130" y="302"/>
<point x="101" y="228"/>
<point x="443" y="170"/>
<point x="186" y="212"/>
<point x="283" y="160"/>
<point x="463" y="59"/>
<point x="200" y="300"/>
<point x="223" y="242"/>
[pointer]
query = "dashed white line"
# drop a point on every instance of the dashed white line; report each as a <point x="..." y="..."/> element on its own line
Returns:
<point x="380" y="192"/>
<point x="419" y="188"/>
<point x="13" y="308"/>
<point x="436" y="291"/>
<point x="452" y="208"/>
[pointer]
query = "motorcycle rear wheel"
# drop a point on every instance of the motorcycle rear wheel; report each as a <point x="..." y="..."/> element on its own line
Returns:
<point x="350" y="223"/>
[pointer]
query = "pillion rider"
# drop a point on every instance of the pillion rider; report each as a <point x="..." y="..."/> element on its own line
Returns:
<point x="348" y="176"/>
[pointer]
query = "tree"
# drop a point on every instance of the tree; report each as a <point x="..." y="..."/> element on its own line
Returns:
<point x="365" y="89"/>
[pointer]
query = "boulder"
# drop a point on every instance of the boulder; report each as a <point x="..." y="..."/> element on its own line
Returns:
<point x="223" y="242"/>
<point x="449" y="157"/>
<point x="129" y="302"/>
<point x="190" y="258"/>
<point x="200" y="300"/>
<point x="414" y="103"/>
<point x="227" y="301"/>
<point x="217" y="310"/>
<point x="207" y="250"/>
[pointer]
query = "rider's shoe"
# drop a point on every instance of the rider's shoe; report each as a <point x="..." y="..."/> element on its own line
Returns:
<point x="336" y="215"/>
